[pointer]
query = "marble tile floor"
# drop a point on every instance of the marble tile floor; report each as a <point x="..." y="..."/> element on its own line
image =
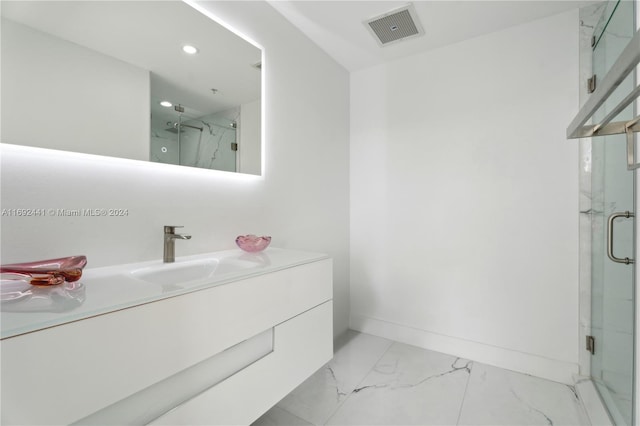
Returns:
<point x="375" y="381"/>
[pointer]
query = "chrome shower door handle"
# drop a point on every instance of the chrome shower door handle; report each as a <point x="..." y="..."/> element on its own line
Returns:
<point x="612" y="218"/>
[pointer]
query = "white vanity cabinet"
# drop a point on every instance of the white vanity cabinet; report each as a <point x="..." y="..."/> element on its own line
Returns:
<point x="172" y="361"/>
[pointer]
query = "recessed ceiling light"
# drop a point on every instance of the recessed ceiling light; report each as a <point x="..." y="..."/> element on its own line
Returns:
<point x="191" y="50"/>
<point x="166" y="104"/>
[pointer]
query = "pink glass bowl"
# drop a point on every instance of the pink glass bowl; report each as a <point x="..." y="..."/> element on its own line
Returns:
<point x="252" y="243"/>
<point x="48" y="272"/>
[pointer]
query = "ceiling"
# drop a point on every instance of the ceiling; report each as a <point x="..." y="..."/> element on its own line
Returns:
<point x="338" y="27"/>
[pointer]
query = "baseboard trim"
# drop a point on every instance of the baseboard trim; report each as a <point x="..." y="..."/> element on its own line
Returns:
<point x="535" y="365"/>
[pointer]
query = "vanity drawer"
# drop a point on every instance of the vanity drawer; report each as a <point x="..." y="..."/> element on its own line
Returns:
<point x="301" y="346"/>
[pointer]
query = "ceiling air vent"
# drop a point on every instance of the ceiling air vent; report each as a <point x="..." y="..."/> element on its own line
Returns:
<point x="399" y="24"/>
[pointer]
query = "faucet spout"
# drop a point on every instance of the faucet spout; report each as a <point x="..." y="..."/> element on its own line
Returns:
<point x="170" y="238"/>
<point x="178" y="237"/>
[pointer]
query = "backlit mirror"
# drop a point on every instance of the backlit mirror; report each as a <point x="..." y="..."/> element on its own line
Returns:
<point x="147" y="80"/>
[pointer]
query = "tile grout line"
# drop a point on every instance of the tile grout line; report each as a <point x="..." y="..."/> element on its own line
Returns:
<point x="333" y="413"/>
<point x="464" y="395"/>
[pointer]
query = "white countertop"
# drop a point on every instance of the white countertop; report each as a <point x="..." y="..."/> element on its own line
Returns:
<point x="112" y="288"/>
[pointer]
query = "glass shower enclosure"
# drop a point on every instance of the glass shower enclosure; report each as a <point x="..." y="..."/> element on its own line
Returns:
<point x="208" y="142"/>
<point x="612" y="246"/>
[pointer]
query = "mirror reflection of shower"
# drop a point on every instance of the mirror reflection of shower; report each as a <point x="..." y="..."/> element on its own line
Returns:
<point x="206" y="142"/>
<point x="178" y="126"/>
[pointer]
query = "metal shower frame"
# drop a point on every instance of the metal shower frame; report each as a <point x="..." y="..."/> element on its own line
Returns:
<point x="621" y="69"/>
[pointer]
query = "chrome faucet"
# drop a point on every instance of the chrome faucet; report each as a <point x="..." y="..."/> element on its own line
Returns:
<point x="170" y="238"/>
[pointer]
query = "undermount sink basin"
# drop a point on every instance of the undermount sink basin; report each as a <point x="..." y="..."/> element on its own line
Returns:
<point x="186" y="271"/>
<point x="177" y="273"/>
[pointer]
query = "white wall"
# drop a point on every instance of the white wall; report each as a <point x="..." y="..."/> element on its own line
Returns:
<point x="302" y="200"/>
<point x="57" y="93"/>
<point x="464" y="199"/>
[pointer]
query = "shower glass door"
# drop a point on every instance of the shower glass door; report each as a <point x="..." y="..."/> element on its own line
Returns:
<point x="613" y="294"/>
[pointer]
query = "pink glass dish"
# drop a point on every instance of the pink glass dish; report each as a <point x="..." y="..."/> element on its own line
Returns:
<point x="48" y="272"/>
<point x="252" y="243"/>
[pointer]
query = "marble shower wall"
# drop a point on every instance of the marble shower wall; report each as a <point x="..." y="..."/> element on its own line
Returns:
<point x="211" y="148"/>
